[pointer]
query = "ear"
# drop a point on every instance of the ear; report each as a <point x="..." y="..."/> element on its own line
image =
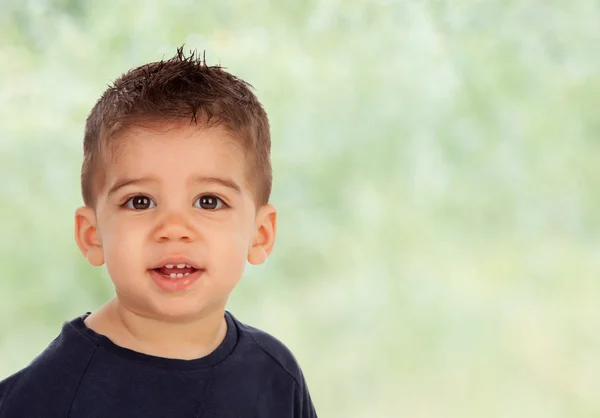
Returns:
<point x="87" y="237"/>
<point x="264" y="236"/>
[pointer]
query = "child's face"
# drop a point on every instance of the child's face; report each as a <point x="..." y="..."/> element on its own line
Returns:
<point x="175" y="196"/>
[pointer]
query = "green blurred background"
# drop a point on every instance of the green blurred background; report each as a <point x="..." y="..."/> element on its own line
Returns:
<point x="437" y="172"/>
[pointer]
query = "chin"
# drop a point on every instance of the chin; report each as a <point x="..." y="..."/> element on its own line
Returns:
<point x="181" y="309"/>
<point x="177" y="311"/>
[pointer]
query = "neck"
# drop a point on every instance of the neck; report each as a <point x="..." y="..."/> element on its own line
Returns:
<point x="187" y="340"/>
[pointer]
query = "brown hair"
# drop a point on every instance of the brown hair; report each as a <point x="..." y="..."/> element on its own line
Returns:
<point x="181" y="88"/>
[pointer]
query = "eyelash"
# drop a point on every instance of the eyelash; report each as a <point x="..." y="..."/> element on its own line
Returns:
<point x="224" y="205"/>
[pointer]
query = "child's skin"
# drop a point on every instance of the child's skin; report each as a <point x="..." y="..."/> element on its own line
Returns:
<point x="182" y="216"/>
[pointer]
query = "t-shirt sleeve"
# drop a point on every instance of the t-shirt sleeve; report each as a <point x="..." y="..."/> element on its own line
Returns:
<point x="303" y="407"/>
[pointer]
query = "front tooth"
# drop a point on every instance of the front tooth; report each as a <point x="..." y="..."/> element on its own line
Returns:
<point x="173" y="275"/>
<point x="179" y="275"/>
<point x="169" y="266"/>
<point x="180" y="266"/>
<point x="188" y="266"/>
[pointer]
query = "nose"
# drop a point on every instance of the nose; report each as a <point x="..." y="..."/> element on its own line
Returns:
<point x="174" y="227"/>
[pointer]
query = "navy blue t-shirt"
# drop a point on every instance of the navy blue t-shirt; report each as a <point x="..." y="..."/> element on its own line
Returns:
<point x="84" y="374"/>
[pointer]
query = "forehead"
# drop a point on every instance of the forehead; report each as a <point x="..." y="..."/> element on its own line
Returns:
<point x="178" y="150"/>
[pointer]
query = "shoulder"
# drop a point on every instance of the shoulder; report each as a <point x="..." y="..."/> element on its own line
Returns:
<point x="7" y="384"/>
<point x="47" y="382"/>
<point x="282" y="383"/>
<point x="272" y="350"/>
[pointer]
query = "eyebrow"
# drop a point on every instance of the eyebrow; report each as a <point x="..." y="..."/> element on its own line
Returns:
<point x="219" y="180"/>
<point x="119" y="184"/>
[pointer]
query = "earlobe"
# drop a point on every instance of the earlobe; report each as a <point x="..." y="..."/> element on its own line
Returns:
<point x="257" y="255"/>
<point x="264" y="237"/>
<point x="86" y="236"/>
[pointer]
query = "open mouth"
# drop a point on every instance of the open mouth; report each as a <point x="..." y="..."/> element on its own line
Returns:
<point x="175" y="271"/>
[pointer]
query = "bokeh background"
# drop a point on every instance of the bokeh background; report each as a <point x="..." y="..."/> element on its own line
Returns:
<point x="437" y="172"/>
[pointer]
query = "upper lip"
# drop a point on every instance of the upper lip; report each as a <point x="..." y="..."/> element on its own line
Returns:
<point x="175" y="261"/>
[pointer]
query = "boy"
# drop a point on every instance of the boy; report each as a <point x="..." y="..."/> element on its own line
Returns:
<point x="176" y="181"/>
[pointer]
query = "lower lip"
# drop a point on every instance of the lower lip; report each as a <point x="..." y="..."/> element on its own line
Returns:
<point x="175" y="285"/>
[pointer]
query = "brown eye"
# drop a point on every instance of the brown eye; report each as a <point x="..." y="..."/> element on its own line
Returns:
<point x="209" y="202"/>
<point x="140" y="202"/>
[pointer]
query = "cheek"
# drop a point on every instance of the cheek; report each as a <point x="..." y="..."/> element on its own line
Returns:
<point x="122" y="246"/>
<point x="232" y="251"/>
